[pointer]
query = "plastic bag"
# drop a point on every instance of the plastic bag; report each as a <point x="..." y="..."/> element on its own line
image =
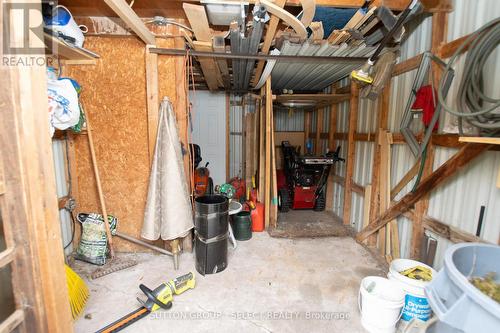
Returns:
<point x="64" y="108"/>
<point x="93" y="246"/>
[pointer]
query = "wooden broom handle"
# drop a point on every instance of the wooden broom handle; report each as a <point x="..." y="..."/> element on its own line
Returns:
<point x="99" y="188"/>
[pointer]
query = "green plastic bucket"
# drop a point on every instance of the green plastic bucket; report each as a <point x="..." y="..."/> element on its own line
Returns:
<point x="242" y="226"/>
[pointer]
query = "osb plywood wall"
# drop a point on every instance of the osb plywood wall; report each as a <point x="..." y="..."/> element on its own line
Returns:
<point x="114" y="98"/>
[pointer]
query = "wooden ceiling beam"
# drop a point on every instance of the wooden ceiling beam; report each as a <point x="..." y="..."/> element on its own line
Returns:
<point x="123" y="10"/>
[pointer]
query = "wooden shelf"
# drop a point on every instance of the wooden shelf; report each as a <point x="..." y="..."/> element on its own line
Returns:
<point x="69" y="54"/>
<point x="479" y="139"/>
<point x="61" y="134"/>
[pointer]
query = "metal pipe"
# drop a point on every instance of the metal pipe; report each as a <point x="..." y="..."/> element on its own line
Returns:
<point x="142" y="243"/>
<point x="281" y="58"/>
<point x="235" y="47"/>
<point x="255" y="37"/>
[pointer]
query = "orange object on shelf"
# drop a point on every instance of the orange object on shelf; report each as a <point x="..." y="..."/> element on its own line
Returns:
<point x="257" y="215"/>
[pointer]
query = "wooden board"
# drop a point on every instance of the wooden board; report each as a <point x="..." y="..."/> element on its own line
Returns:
<point x="29" y="207"/>
<point x="127" y="14"/>
<point x="249" y="145"/>
<point x="273" y="220"/>
<point x="472" y="139"/>
<point x="267" y="180"/>
<point x="317" y="31"/>
<point x="152" y="98"/>
<point x="351" y="147"/>
<point x="449" y="232"/>
<point x="114" y="93"/>
<point x="209" y="67"/>
<point x="262" y="146"/>
<point x="384" y="188"/>
<point x="382" y="124"/>
<point x="198" y="20"/>
<point x="219" y="46"/>
<point x="319" y="129"/>
<point x="288" y="18"/>
<point x="464" y="156"/>
<point x="308" y="10"/>
<point x="366" y="205"/>
<point x="2" y="179"/>
<point x="307" y="129"/>
<point x="405" y="180"/>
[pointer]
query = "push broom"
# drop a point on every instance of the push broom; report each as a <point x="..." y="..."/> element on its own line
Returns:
<point x="78" y="292"/>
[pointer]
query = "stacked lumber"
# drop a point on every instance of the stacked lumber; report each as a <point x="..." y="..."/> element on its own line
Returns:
<point x="198" y="20"/>
<point x="359" y="26"/>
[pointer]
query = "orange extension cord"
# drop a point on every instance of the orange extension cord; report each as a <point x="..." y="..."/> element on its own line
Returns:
<point x="188" y="74"/>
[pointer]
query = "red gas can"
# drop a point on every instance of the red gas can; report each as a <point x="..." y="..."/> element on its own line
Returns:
<point x="257" y="215"/>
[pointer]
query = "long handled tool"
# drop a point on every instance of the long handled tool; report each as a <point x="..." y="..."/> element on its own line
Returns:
<point x="159" y="298"/>
<point x="112" y="265"/>
<point x="364" y="74"/>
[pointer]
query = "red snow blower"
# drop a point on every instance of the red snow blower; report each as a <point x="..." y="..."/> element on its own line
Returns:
<point x="302" y="182"/>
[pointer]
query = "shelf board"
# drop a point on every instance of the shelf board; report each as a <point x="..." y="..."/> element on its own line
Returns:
<point x="479" y="139"/>
<point x="61" y="134"/>
<point x="69" y="54"/>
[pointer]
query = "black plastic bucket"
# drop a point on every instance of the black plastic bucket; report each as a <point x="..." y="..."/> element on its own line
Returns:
<point x="211" y="226"/>
<point x="242" y="226"/>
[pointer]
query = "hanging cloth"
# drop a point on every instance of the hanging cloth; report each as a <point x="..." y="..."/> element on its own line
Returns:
<point x="168" y="212"/>
<point x="424" y="100"/>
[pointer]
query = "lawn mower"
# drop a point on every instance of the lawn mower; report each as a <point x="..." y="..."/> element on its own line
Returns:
<point x="302" y="182"/>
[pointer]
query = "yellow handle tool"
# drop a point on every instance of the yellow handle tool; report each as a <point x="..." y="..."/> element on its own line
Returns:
<point x="159" y="298"/>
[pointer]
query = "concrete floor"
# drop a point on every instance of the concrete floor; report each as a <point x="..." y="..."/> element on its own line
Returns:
<point x="270" y="285"/>
<point x="308" y="223"/>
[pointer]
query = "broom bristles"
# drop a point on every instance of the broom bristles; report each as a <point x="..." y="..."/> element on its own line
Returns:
<point x="78" y="292"/>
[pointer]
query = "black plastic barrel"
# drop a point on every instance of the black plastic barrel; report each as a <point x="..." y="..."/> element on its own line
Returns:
<point x="211" y="226"/>
<point x="242" y="226"/>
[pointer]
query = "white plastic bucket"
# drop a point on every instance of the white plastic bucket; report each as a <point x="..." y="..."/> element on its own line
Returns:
<point x="380" y="302"/>
<point x="416" y="304"/>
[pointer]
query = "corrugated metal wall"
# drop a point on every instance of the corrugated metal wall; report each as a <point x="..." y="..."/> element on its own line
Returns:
<point x="239" y="107"/>
<point x="458" y="202"/>
<point x="288" y="120"/>
<point x="59" y="153"/>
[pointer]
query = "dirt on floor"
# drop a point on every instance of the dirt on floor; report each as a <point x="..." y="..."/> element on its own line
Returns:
<point x="308" y="223"/>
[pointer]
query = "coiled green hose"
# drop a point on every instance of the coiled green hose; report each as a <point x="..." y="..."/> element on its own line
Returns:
<point x="473" y="105"/>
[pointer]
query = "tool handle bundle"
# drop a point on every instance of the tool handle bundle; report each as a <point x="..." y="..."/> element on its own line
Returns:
<point x="473" y="105"/>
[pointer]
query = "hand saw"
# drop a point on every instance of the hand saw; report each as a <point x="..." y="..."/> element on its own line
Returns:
<point x="159" y="298"/>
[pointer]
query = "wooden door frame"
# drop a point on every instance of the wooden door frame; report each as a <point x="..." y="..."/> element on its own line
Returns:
<point x="29" y="203"/>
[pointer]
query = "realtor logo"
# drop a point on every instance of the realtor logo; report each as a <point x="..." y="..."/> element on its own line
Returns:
<point x="22" y="32"/>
